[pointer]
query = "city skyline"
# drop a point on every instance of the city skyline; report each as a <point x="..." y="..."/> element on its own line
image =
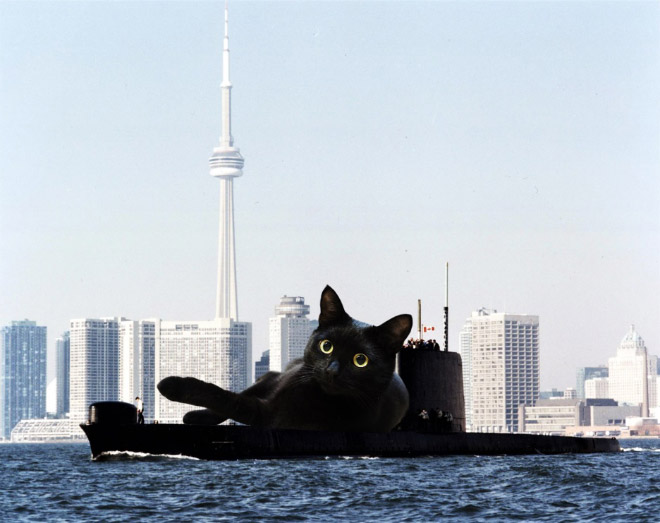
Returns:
<point x="518" y="142"/>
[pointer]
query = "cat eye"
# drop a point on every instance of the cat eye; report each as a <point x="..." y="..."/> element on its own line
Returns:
<point x="326" y="346"/>
<point x="360" y="360"/>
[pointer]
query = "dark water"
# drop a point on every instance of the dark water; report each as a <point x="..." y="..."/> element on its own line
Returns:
<point x="60" y="482"/>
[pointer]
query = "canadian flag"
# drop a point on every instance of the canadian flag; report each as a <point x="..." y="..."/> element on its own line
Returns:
<point x="429" y="329"/>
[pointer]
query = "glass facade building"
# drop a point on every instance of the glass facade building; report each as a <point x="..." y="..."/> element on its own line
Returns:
<point x="23" y="353"/>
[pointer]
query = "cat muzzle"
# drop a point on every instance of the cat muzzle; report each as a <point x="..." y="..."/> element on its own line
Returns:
<point x="332" y="370"/>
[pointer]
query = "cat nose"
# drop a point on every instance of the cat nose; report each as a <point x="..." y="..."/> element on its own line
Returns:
<point x="333" y="368"/>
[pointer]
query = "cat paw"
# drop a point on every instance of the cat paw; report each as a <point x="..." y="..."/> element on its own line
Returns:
<point x="202" y="417"/>
<point x="173" y="388"/>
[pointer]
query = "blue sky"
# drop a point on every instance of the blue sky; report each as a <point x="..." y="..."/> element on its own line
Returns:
<point x="518" y="141"/>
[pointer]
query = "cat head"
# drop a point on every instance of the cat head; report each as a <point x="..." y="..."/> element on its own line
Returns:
<point x="347" y="356"/>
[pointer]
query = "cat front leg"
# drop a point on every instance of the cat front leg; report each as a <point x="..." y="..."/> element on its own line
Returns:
<point x="225" y="404"/>
<point x="202" y="417"/>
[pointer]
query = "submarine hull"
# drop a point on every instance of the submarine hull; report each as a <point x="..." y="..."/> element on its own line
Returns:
<point x="434" y="382"/>
<point x="231" y="442"/>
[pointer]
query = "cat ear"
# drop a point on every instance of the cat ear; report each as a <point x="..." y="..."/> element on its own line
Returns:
<point x="395" y="331"/>
<point x="332" y="311"/>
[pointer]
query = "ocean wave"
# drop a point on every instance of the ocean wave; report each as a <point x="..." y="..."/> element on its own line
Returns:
<point x="127" y="454"/>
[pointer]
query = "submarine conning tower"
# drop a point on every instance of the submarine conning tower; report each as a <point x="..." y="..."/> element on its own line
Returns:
<point x="112" y="413"/>
<point x="434" y="380"/>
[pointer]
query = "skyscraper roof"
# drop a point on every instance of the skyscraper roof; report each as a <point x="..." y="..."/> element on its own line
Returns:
<point x="632" y="340"/>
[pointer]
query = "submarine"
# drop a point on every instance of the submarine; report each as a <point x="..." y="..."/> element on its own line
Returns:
<point x="433" y="426"/>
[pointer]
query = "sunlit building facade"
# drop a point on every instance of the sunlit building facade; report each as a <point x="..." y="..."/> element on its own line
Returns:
<point x="289" y="331"/>
<point x="94" y="357"/>
<point x="633" y="372"/>
<point x="217" y="351"/>
<point x="137" y="363"/>
<point x="465" y="350"/>
<point x="504" y="368"/>
<point x="596" y="388"/>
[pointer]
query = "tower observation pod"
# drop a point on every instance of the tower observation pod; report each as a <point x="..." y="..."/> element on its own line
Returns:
<point x="226" y="163"/>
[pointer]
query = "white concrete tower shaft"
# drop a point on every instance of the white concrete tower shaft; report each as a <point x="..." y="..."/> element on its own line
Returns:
<point x="226" y="163"/>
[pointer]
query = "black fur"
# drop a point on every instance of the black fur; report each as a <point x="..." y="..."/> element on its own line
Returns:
<point x="319" y="391"/>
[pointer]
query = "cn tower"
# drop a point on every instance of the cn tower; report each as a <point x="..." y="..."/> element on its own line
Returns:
<point x="226" y="164"/>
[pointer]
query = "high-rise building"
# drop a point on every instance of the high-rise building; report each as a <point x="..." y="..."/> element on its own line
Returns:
<point x="62" y="356"/>
<point x="216" y="351"/>
<point x="23" y="352"/>
<point x="289" y="331"/>
<point x="137" y="363"/>
<point x="587" y="373"/>
<point x="633" y="373"/>
<point x="504" y="368"/>
<point x="262" y="365"/>
<point x="464" y="348"/>
<point x="94" y="370"/>
<point x="596" y="388"/>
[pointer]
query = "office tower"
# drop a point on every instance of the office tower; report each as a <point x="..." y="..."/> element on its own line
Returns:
<point x="62" y="356"/>
<point x="216" y="351"/>
<point x="633" y="373"/>
<point x="137" y="363"/>
<point x="504" y="350"/>
<point x="94" y="370"/>
<point x="596" y="388"/>
<point x="261" y="366"/>
<point x="289" y="331"/>
<point x="464" y="348"/>
<point x="587" y="373"/>
<point x="22" y="373"/>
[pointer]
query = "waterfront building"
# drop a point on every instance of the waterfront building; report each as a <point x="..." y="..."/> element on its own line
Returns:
<point x="633" y="373"/>
<point x="596" y="388"/>
<point x="586" y="373"/>
<point x="137" y="363"/>
<point x="289" y="331"/>
<point x="94" y="357"/>
<point x="464" y="349"/>
<point x="608" y="414"/>
<point x="504" y="368"/>
<point x="63" y="362"/>
<point x="550" y="416"/>
<point x="47" y="431"/>
<point x="216" y="351"/>
<point x="261" y="367"/>
<point x="563" y="416"/>
<point x="23" y="353"/>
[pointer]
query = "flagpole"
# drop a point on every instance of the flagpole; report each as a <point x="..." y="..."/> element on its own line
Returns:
<point x="447" y="307"/>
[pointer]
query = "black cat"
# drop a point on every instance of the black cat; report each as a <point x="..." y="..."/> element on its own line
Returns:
<point x="344" y="382"/>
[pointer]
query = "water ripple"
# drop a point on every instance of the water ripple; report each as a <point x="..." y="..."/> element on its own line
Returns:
<point x="60" y="482"/>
